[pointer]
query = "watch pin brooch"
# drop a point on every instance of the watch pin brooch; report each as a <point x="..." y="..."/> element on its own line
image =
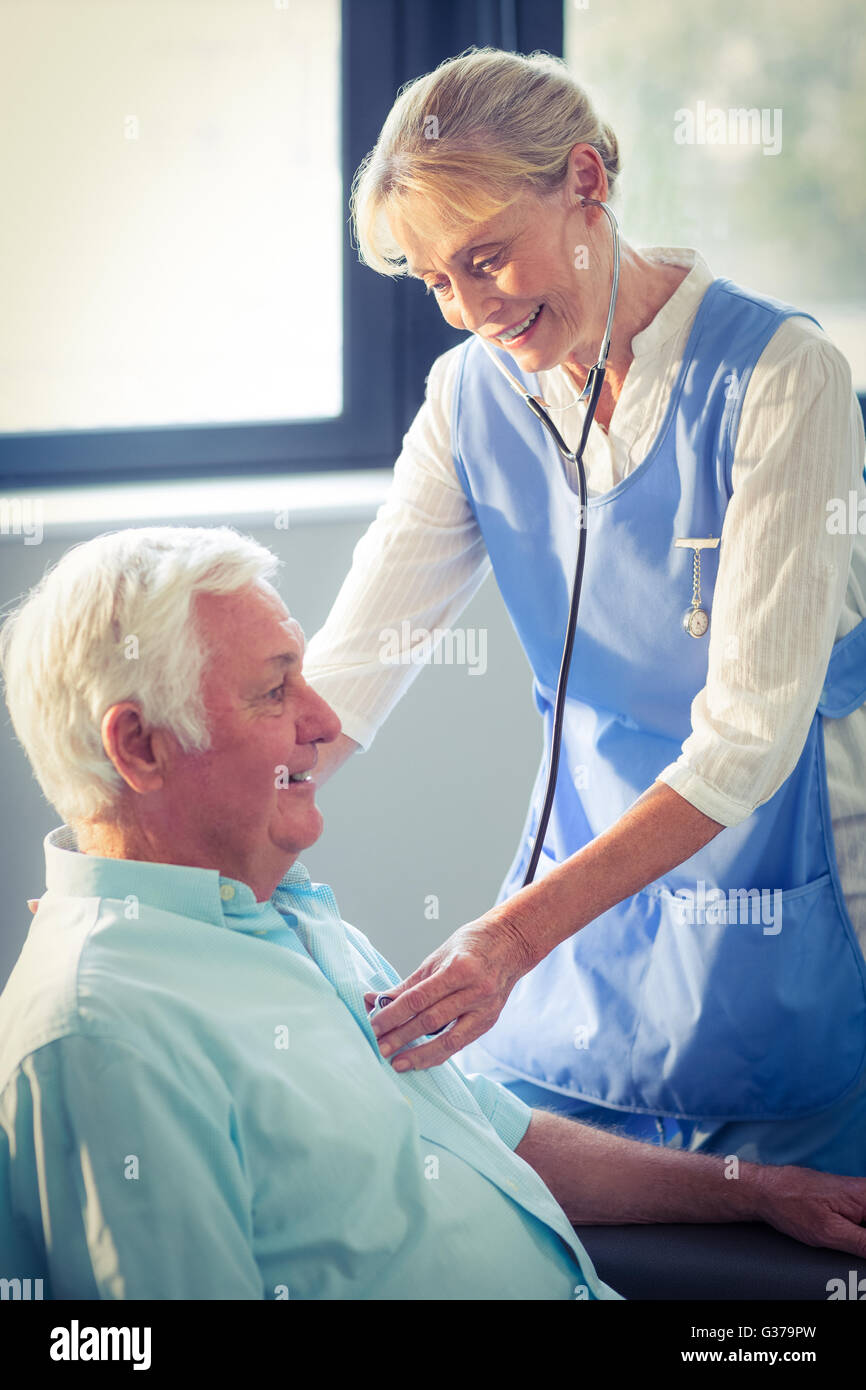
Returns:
<point x="696" y="620"/>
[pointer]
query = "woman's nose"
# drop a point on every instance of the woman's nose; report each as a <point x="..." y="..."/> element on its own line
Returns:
<point x="476" y="305"/>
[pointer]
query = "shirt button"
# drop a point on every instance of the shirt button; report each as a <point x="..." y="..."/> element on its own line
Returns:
<point x="227" y="892"/>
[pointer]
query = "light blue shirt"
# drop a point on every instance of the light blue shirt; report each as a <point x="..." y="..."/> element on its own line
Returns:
<point x="193" y="1105"/>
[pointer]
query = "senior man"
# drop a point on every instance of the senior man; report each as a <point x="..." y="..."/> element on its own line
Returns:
<point x="192" y="1100"/>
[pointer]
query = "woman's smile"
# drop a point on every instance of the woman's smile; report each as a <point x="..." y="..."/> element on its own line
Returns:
<point x="520" y="332"/>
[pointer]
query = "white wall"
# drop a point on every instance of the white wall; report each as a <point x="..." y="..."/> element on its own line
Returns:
<point x="435" y="807"/>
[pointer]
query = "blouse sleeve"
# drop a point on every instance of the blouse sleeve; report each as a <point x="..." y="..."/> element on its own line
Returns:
<point x="416" y="567"/>
<point x="782" y="576"/>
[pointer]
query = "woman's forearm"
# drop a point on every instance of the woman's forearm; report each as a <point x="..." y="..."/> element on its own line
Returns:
<point x="332" y="756"/>
<point x="658" y="832"/>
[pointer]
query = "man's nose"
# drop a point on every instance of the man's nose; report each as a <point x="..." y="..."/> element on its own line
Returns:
<point x="322" y="724"/>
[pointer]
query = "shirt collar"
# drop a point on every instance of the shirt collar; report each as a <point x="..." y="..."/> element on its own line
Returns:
<point x="682" y="305"/>
<point x="203" y="894"/>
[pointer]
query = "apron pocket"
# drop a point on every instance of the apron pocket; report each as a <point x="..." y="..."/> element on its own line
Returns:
<point x="750" y="1007"/>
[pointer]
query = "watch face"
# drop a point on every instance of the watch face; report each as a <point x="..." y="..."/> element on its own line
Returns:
<point x="699" y="623"/>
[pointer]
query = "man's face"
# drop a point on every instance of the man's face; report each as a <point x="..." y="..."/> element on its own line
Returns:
<point x="235" y="799"/>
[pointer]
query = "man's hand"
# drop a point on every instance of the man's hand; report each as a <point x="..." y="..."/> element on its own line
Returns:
<point x="817" y="1208"/>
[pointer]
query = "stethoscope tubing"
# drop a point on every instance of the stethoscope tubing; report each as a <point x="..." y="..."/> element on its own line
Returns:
<point x="592" y="388"/>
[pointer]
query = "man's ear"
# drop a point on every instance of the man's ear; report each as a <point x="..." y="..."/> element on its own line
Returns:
<point x="130" y="746"/>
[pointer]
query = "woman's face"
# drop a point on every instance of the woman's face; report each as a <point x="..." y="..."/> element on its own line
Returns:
<point x="544" y="258"/>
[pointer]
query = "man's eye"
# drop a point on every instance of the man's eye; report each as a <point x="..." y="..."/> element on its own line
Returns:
<point x="434" y="289"/>
<point x="485" y="265"/>
<point x="277" y="690"/>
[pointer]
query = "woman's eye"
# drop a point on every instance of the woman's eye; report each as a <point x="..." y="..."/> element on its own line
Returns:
<point x="490" y="264"/>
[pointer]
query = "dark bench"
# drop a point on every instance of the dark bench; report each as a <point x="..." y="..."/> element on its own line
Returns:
<point x="725" y="1261"/>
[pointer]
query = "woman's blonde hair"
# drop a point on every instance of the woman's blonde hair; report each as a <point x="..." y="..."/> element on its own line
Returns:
<point x="465" y="141"/>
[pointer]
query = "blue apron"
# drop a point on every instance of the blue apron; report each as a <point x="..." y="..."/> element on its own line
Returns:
<point x="762" y="1015"/>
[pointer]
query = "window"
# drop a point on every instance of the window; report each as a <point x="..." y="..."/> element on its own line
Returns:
<point x="177" y="280"/>
<point x="772" y="195"/>
<point x="180" y="295"/>
<point x="175" y="254"/>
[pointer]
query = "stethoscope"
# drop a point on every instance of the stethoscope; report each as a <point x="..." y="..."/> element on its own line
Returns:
<point x="592" y="389"/>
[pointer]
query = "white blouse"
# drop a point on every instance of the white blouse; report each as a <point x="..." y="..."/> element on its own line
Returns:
<point x="786" y="587"/>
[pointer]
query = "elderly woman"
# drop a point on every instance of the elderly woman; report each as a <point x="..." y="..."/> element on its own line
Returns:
<point x="688" y="963"/>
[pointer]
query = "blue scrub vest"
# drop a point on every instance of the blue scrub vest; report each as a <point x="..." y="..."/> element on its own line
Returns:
<point x="641" y="1010"/>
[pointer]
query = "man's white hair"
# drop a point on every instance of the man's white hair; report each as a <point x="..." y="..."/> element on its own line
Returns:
<point x="114" y="620"/>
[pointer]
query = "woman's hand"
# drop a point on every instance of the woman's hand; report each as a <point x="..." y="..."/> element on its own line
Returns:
<point x="467" y="979"/>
